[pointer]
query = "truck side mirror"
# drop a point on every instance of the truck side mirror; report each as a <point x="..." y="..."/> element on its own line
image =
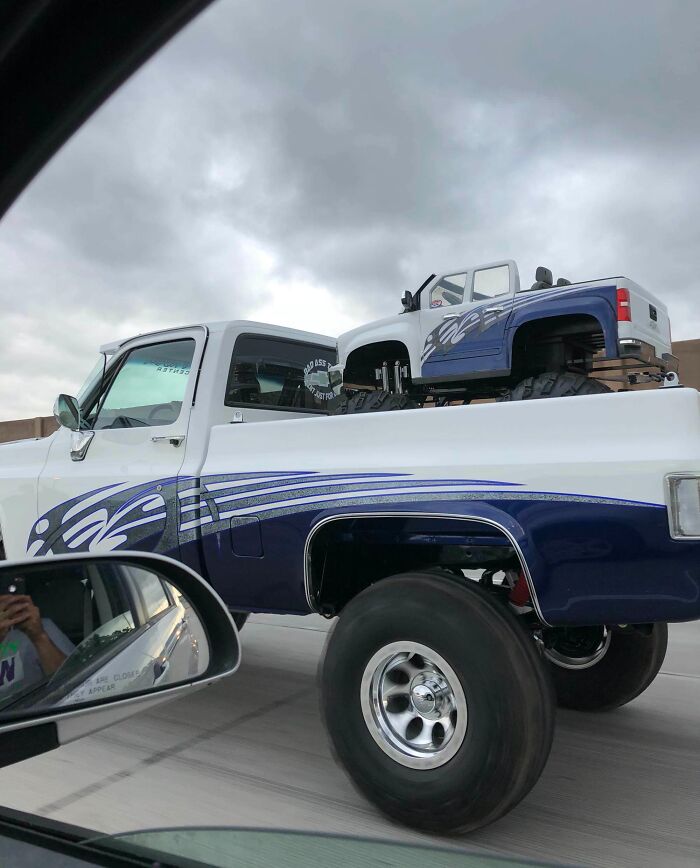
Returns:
<point x="408" y="302"/>
<point x="116" y="633"/>
<point x="67" y="412"/>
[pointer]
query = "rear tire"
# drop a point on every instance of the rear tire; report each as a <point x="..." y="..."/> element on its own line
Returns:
<point x="631" y="662"/>
<point x="555" y="385"/>
<point x="371" y="402"/>
<point x="490" y="688"/>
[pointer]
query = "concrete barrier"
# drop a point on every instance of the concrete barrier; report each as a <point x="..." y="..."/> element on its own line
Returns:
<point x="22" y="429"/>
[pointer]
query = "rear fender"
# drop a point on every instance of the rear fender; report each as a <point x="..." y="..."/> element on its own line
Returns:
<point x="600" y="306"/>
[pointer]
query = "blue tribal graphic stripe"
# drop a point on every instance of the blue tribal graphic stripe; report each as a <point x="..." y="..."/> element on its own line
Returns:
<point x="158" y="515"/>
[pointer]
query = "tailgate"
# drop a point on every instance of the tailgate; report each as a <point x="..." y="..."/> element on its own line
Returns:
<point x="650" y="321"/>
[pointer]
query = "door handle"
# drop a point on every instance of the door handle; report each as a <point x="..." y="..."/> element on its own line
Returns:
<point x="496" y="309"/>
<point x="451" y="316"/>
<point x="173" y="439"/>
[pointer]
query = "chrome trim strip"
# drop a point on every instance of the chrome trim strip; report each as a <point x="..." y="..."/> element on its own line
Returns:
<point x="477" y="518"/>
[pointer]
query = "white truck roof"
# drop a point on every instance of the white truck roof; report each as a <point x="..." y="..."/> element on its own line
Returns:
<point x="240" y="325"/>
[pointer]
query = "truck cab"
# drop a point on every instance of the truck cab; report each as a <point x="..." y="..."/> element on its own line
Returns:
<point x="146" y="413"/>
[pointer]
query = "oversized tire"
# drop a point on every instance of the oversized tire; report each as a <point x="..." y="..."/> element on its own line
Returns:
<point x="371" y="402"/>
<point x="436" y="701"/>
<point x="554" y="385"/>
<point x="239" y="618"/>
<point x="630" y="661"/>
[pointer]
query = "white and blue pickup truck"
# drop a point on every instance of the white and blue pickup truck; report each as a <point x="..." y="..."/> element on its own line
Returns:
<point x="475" y="332"/>
<point x="485" y="562"/>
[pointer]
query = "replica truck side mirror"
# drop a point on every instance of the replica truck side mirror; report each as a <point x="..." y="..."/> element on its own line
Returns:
<point x="88" y="640"/>
<point x="408" y="302"/>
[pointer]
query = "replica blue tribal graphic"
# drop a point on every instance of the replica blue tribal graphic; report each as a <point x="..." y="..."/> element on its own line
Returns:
<point x="476" y="320"/>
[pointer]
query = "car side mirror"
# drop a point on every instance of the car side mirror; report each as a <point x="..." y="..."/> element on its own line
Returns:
<point x="408" y="302"/>
<point x="67" y="412"/>
<point x="88" y="640"/>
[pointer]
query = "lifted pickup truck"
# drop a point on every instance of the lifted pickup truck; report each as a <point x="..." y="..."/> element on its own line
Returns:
<point x="476" y="333"/>
<point x="485" y="561"/>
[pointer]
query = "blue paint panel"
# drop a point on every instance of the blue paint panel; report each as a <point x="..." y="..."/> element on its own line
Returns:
<point x="590" y="562"/>
<point x="446" y="365"/>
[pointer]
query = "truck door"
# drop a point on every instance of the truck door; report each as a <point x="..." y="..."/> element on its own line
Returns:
<point x="121" y="493"/>
<point x="463" y="320"/>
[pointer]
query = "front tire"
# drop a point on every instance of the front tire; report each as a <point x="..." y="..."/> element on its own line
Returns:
<point x="630" y="662"/>
<point x="555" y="385"/>
<point x="437" y="702"/>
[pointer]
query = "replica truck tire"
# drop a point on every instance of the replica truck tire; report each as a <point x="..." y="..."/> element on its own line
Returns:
<point x="436" y="701"/>
<point x="629" y="662"/>
<point x="371" y="402"/>
<point x="554" y="385"/>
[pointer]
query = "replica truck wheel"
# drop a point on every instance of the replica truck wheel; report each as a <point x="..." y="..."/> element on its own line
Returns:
<point x="371" y="402"/>
<point x="596" y="669"/>
<point x="554" y="385"/>
<point x="436" y="701"/>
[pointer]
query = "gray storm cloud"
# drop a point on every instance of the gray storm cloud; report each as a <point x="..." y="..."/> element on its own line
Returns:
<point x="356" y="147"/>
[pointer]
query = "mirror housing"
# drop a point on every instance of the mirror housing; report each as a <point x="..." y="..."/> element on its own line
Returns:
<point x="106" y="636"/>
<point x="67" y="412"/>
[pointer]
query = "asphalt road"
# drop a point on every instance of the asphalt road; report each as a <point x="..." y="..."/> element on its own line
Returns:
<point x="621" y="788"/>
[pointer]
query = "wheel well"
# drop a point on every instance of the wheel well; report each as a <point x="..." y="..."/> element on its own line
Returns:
<point x="347" y="554"/>
<point x="556" y="343"/>
<point x="362" y="362"/>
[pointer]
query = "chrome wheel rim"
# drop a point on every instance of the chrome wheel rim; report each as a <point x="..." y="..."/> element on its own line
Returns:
<point x="414" y="705"/>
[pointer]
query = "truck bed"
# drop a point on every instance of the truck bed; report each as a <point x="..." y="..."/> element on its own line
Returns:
<point x="577" y="486"/>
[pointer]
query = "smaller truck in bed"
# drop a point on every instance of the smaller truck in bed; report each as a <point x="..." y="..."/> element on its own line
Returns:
<point x="476" y="333"/>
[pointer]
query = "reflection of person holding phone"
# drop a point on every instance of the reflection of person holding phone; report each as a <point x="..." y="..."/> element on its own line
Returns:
<point x="31" y="647"/>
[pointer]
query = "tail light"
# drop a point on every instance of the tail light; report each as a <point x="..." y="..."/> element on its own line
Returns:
<point x="624" y="312"/>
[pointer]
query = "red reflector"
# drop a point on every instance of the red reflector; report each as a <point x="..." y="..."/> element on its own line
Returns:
<point x="624" y="313"/>
<point x="520" y="593"/>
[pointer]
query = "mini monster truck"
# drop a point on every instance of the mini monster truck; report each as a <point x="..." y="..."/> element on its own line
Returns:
<point x="475" y="333"/>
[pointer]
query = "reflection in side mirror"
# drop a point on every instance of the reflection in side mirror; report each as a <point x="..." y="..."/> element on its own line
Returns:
<point x="67" y="412"/>
<point x="85" y="631"/>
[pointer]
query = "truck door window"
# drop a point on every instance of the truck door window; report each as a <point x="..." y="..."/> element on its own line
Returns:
<point x="448" y="290"/>
<point x="148" y="388"/>
<point x="491" y="282"/>
<point x="272" y="373"/>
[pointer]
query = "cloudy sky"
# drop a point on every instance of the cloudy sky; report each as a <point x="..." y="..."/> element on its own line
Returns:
<point x="304" y="163"/>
